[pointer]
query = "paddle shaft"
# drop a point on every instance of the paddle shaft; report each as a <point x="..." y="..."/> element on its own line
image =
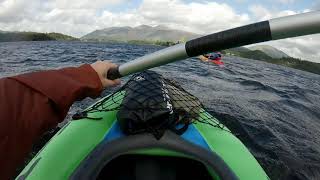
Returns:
<point x="279" y="28"/>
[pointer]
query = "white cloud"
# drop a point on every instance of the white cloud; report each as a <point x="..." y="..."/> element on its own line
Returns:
<point x="261" y="13"/>
<point x="15" y="10"/>
<point x="85" y="4"/>
<point x="316" y="5"/>
<point x="196" y="17"/>
<point x="286" y="1"/>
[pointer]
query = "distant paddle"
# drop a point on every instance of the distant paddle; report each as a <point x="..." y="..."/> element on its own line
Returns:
<point x="279" y="28"/>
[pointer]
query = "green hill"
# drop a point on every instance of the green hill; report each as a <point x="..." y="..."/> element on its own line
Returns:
<point x="61" y="37"/>
<point x="6" y="36"/>
<point x="284" y="61"/>
<point x="247" y="53"/>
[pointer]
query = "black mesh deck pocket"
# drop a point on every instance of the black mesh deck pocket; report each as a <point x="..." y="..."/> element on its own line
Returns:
<point x="147" y="106"/>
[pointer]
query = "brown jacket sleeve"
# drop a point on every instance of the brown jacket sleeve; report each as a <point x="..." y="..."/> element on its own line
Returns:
<point x="33" y="103"/>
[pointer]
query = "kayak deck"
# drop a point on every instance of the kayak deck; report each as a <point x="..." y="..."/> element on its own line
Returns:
<point x="78" y="139"/>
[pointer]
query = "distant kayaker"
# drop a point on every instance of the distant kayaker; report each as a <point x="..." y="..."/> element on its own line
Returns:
<point x="212" y="57"/>
<point x="34" y="103"/>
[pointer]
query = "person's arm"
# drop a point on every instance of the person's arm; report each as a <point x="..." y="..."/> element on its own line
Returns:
<point x="33" y="103"/>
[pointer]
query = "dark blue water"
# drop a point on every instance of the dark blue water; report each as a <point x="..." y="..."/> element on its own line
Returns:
<point x="273" y="110"/>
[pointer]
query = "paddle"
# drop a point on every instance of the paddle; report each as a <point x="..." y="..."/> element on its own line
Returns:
<point x="279" y="28"/>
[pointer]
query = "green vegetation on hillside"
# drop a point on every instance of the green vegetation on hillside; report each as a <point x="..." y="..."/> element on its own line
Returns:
<point x="288" y="61"/>
<point x="159" y="43"/>
<point x="139" y="42"/>
<point x="256" y="54"/>
<point x="33" y="36"/>
<point x="166" y="43"/>
<point x="61" y="37"/>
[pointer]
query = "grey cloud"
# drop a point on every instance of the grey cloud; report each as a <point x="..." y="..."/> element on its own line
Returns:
<point x="87" y="4"/>
<point x="15" y="11"/>
<point x="10" y="12"/>
<point x="316" y="6"/>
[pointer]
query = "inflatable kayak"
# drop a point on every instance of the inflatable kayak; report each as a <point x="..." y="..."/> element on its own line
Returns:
<point x="107" y="142"/>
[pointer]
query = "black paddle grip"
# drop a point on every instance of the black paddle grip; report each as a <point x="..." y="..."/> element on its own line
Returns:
<point x="113" y="73"/>
<point x="249" y="34"/>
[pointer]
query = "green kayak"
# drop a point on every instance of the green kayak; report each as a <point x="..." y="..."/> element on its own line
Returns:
<point x="95" y="147"/>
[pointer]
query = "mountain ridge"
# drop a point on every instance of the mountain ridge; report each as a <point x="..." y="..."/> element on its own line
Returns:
<point x="139" y="33"/>
<point x="270" y="51"/>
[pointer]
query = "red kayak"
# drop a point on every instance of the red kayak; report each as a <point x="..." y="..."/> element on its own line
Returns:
<point x="218" y="62"/>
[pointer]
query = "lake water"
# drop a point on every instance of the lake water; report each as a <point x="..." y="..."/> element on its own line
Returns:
<point x="273" y="110"/>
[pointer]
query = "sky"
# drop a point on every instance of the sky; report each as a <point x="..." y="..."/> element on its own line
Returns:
<point x="79" y="17"/>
